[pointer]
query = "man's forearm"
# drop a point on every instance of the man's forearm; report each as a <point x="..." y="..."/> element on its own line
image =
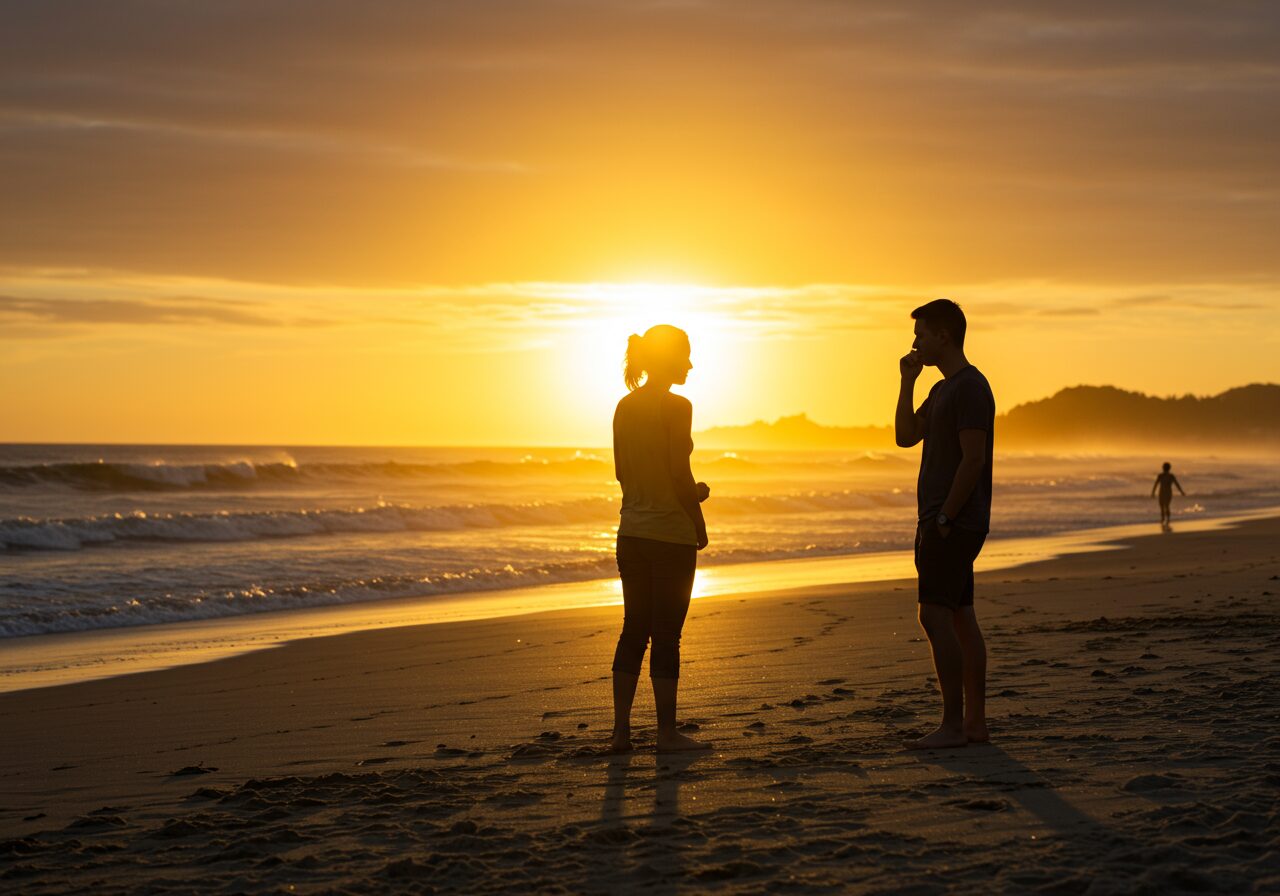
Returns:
<point x="962" y="486"/>
<point x="904" y="419"/>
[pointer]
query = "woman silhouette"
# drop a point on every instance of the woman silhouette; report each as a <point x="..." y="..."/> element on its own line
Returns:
<point x="661" y="528"/>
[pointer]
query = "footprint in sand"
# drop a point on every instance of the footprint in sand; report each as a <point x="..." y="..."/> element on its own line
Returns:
<point x="804" y="702"/>
<point x="193" y="770"/>
<point x="980" y="805"/>
<point x="1148" y="783"/>
<point x="88" y="823"/>
<point x="532" y="751"/>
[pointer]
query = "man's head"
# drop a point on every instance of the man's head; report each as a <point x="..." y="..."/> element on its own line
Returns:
<point x="940" y="327"/>
<point x="1167" y="466"/>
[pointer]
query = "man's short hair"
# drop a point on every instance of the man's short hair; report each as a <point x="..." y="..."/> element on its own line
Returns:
<point x="943" y="314"/>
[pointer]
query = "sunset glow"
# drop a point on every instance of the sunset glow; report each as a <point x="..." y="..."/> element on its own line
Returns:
<point x="444" y="232"/>
<point x="344" y="552"/>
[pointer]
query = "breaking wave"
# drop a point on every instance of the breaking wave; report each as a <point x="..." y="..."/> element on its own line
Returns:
<point x="105" y="476"/>
<point x="25" y="533"/>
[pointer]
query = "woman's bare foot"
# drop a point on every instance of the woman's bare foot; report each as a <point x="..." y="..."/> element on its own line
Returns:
<point x="977" y="733"/>
<point x="619" y="743"/>
<point x="942" y="739"/>
<point x="675" y="742"/>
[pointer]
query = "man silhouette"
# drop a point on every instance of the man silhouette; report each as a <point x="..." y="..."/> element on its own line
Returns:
<point x="956" y="423"/>
<point x="1165" y="481"/>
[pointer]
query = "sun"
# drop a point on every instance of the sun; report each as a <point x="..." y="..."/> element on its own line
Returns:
<point x="597" y="341"/>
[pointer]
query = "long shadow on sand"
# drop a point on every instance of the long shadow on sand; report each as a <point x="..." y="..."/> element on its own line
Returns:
<point x="1008" y="776"/>
<point x="614" y="795"/>
<point x="639" y="836"/>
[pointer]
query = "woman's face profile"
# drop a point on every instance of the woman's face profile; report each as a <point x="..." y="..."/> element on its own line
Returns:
<point x="680" y="371"/>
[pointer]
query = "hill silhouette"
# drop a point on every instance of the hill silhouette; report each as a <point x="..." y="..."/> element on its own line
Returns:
<point x="795" y="432"/>
<point x="1102" y="418"/>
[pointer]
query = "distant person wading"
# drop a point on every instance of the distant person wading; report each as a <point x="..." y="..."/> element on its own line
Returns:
<point x="661" y="528"/>
<point x="1165" y="481"/>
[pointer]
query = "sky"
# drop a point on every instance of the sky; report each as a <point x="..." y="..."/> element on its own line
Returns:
<point x="428" y="223"/>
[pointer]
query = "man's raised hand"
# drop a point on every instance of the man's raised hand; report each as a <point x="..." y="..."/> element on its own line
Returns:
<point x="910" y="365"/>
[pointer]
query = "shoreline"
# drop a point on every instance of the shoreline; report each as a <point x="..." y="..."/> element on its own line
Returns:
<point x="64" y="658"/>
<point x="1131" y="693"/>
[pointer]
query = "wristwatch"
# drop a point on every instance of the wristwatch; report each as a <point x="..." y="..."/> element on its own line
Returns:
<point x="943" y="520"/>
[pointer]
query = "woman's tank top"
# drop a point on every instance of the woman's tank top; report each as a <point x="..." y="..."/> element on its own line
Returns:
<point x="649" y="505"/>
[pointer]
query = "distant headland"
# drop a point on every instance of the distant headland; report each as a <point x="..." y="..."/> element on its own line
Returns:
<point x="1246" y="418"/>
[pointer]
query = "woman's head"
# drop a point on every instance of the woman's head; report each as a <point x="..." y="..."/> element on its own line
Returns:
<point x="1168" y="466"/>
<point x="661" y="354"/>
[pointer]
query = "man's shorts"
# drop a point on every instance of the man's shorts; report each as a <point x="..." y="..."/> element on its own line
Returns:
<point x="945" y="565"/>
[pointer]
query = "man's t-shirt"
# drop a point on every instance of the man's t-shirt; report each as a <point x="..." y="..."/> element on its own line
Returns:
<point x="961" y="401"/>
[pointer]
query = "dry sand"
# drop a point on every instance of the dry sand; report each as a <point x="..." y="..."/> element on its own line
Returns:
<point x="1133" y="697"/>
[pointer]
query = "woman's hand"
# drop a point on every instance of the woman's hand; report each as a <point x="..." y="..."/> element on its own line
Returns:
<point x="702" y="537"/>
<point x="704" y="491"/>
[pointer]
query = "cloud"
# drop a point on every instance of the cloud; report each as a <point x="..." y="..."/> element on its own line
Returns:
<point x="506" y="316"/>
<point x="337" y="140"/>
<point x="262" y="140"/>
<point x="1195" y="297"/>
<point x="1069" y="312"/>
<point x="82" y="312"/>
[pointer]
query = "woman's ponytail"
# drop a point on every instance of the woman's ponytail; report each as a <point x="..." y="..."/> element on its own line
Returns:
<point x="633" y="366"/>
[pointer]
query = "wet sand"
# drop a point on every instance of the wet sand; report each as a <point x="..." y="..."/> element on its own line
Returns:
<point x="1133" y="700"/>
<point x="73" y="657"/>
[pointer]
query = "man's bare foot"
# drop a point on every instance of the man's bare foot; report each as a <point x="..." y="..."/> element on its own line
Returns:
<point x="977" y="733"/>
<point x="619" y="744"/>
<point x="942" y="739"/>
<point x="675" y="742"/>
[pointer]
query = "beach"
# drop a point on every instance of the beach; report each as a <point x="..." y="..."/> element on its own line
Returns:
<point x="1131" y="694"/>
<point x="378" y="377"/>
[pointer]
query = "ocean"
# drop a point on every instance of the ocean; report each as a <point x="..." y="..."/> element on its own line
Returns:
<point x="101" y="536"/>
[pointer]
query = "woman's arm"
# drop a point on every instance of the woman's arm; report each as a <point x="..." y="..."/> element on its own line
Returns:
<point x="678" y="413"/>
<point x="617" y="468"/>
